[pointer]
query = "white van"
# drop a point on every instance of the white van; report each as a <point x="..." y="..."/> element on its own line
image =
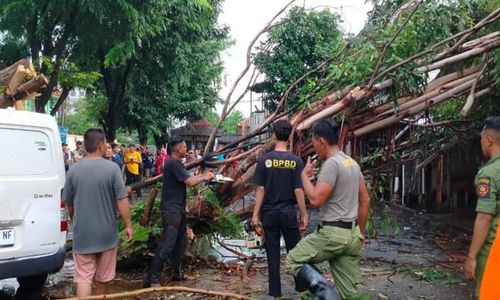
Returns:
<point x="33" y="222"/>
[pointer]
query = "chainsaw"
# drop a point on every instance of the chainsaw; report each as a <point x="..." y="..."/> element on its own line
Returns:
<point x="255" y="237"/>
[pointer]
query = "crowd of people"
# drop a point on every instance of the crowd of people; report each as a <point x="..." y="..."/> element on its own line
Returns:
<point x="95" y="190"/>
<point x="136" y="162"/>
<point x="95" y="194"/>
<point x="344" y="209"/>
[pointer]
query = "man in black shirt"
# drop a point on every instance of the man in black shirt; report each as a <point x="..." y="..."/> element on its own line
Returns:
<point x="173" y="208"/>
<point x="279" y="188"/>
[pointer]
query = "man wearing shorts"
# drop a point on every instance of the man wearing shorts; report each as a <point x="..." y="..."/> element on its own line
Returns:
<point x="93" y="192"/>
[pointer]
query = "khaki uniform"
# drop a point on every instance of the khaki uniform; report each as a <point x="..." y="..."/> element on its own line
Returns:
<point x="487" y="184"/>
<point x="339" y="246"/>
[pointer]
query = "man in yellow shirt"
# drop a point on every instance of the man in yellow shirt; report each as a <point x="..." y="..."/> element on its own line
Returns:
<point x="132" y="161"/>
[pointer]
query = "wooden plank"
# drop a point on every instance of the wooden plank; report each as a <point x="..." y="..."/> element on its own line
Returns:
<point x="19" y="105"/>
<point x="16" y="80"/>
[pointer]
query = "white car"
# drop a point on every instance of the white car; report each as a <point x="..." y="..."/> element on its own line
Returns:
<point x="33" y="223"/>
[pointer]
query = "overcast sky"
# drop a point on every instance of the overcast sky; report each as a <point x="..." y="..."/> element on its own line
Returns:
<point x="246" y="18"/>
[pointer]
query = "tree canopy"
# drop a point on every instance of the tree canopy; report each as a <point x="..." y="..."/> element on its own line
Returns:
<point x="299" y="43"/>
<point x="154" y="61"/>
<point x="395" y="31"/>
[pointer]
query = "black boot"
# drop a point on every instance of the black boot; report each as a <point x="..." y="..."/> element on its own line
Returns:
<point x="318" y="285"/>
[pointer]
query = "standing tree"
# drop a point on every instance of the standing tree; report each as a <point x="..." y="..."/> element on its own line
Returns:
<point x="299" y="43"/>
<point x="179" y="74"/>
<point x="47" y="31"/>
<point x="111" y="33"/>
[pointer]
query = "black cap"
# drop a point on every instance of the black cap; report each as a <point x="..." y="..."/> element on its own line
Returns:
<point x="78" y="142"/>
<point x="492" y="123"/>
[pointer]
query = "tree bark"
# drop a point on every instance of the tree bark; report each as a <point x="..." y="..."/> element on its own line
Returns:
<point x="56" y="51"/>
<point x="160" y="140"/>
<point x="393" y="119"/>
<point x="60" y="100"/>
<point x="459" y="57"/>
<point x="115" y="82"/>
<point x="142" y="130"/>
<point x="225" y="112"/>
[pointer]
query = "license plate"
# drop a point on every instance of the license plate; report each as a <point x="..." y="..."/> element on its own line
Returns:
<point x="7" y="237"/>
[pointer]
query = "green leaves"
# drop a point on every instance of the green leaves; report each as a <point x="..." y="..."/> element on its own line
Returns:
<point x="298" y="44"/>
<point x="178" y="73"/>
<point x="71" y="76"/>
<point x="120" y="53"/>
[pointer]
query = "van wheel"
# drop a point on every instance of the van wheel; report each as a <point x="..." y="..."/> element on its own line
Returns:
<point x="32" y="283"/>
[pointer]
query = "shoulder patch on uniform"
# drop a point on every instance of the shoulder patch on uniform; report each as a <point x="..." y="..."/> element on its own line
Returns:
<point x="483" y="187"/>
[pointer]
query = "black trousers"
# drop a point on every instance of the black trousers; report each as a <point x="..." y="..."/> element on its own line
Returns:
<point x="172" y="245"/>
<point x="132" y="178"/>
<point x="277" y="223"/>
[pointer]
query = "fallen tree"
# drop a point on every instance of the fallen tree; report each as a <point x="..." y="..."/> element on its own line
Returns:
<point x="464" y="62"/>
<point x="366" y="116"/>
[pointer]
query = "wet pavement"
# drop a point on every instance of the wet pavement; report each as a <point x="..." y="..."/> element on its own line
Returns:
<point x="413" y="256"/>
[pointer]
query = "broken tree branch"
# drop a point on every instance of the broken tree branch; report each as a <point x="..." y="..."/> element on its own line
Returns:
<point x="479" y="25"/>
<point x="441" y="123"/>
<point x="465" y="36"/>
<point x="211" y="138"/>
<point x="470" y="99"/>
<point x="412" y="110"/>
<point x="459" y="57"/>
<point x="398" y="32"/>
<point x="252" y="79"/>
<point x="400" y="10"/>
<point x="162" y="289"/>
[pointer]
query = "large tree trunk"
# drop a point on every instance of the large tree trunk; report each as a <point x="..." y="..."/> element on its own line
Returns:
<point x="52" y="48"/>
<point x="115" y="83"/>
<point x="43" y="99"/>
<point x="160" y="140"/>
<point x="142" y="130"/>
<point x="111" y="120"/>
<point x="60" y="100"/>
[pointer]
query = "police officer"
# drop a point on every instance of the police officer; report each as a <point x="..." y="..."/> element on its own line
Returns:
<point x="279" y="188"/>
<point x="342" y="197"/>
<point x="487" y="183"/>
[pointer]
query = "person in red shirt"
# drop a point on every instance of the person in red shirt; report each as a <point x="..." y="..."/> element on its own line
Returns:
<point x="160" y="160"/>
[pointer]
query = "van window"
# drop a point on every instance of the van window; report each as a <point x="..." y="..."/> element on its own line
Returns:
<point x="24" y="152"/>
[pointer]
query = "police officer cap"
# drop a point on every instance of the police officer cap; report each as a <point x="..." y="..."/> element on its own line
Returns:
<point x="492" y="123"/>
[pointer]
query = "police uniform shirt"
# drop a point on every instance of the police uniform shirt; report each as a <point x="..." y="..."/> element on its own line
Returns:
<point x="487" y="183"/>
<point x="344" y="174"/>
<point x="279" y="173"/>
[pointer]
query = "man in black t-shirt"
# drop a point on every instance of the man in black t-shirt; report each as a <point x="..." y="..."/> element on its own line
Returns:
<point x="279" y="188"/>
<point x="173" y="209"/>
